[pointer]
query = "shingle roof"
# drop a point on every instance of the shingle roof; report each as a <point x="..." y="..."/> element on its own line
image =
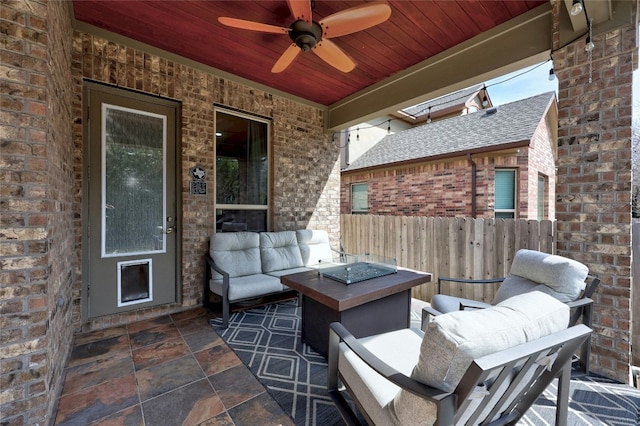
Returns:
<point x="443" y="102"/>
<point x="513" y="122"/>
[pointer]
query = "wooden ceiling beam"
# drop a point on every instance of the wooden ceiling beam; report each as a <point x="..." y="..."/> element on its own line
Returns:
<point x="522" y="41"/>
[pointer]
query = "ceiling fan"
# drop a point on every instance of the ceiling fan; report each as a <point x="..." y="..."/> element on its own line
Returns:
<point x="307" y="34"/>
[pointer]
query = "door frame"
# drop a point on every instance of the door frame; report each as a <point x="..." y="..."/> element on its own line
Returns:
<point x="89" y="86"/>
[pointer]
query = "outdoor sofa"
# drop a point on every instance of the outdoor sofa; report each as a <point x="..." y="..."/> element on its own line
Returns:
<point x="243" y="266"/>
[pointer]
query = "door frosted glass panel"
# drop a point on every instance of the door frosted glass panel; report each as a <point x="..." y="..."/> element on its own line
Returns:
<point x="133" y="181"/>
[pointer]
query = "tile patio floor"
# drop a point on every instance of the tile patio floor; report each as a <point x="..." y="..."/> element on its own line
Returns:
<point x="170" y="370"/>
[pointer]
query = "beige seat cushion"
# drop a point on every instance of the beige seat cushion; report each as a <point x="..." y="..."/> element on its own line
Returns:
<point x="248" y="286"/>
<point x="400" y="350"/>
<point x="452" y="341"/>
<point x="531" y="270"/>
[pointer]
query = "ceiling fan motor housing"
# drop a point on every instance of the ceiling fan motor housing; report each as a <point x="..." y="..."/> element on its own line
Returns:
<point x="305" y="36"/>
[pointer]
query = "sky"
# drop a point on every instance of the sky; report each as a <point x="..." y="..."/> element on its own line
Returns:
<point x="534" y="80"/>
<point x="522" y="84"/>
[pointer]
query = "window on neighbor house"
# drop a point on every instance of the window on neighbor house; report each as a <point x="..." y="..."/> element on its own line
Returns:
<point x="542" y="185"/>
<point x="359" y="198"/>
<point x="242" y="174"/>
<point x="505" y="194"/>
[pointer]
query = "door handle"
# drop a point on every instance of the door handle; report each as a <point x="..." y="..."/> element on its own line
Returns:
<point x="170" y="230"/>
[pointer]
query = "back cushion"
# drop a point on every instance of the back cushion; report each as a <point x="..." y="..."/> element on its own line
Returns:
<point x="557" y="276"/>
<point x="237" y="253"/>
<point x="279" y="250"/>
<point x="314" y="246"/>
<point x="452" y="341"/>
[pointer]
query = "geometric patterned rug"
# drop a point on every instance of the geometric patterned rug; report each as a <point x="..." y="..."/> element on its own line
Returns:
<point x="267" y="340"/>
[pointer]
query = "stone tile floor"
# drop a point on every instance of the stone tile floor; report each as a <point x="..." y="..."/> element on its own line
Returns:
<point x="170" y="370"/>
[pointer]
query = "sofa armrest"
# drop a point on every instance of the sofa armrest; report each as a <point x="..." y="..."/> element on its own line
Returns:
<point x="428" y="311"/>
<point x="466" y="281"/>
<point x="225" y="275"/>
<point x="473" y="305"/>
<point x="338" y="333"/>
<point x="581" y="308"/>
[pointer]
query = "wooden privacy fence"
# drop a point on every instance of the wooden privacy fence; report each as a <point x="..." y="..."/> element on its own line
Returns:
<point x="452" y="247"/>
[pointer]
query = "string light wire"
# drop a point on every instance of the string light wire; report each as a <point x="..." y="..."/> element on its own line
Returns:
<point x="588" y="33"/>
<point x="433" y="105"/>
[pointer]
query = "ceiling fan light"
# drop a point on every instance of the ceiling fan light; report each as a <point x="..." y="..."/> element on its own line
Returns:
<point x="576" y="7"/>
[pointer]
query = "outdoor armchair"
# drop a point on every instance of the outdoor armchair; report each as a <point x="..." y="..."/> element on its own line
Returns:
<point x="473" y="367"/>
<point x="565" y="279"/>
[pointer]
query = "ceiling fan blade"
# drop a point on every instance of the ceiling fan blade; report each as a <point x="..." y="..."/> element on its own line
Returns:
<point x="252" y="26"/>
<point x="301" y="9"/>
<point x="355" y="19"/>
<point x="285" y="60"/>
<point x="329" y="52"/>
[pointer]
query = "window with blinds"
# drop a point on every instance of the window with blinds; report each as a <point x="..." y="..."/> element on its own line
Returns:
<point x="505" y="194"/>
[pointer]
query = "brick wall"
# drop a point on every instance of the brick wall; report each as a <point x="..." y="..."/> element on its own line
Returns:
<point x="37" y="245"/>
<point x="444" y="189"/>
<point x="542" y="157"/>
<point x="594" y="181"/>
<point x="304" y="162"/>
<point x="41" y="166"/>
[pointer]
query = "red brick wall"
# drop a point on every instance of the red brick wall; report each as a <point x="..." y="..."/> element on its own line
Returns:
<point x="444" y="189"/>
<point x="542" y="161"/>
<point x="594" y="182"/>
<point x="37" y="256"/>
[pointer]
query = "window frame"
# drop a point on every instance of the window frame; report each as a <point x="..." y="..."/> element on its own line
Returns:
<point x="244" y="207"/>
<point x="514" y="210"/>
<point x="541" y="199"/>
<point x="360" y="184"/>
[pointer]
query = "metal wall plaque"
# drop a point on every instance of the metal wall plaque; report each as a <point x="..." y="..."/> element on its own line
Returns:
<point x="198" y="181"/>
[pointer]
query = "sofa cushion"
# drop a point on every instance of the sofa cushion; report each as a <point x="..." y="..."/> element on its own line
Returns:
<point x="314" y="246"/>
<point x="452" y="341"/>
<point x="248" y="286"/>
<point x="399" y="349"/>
<point x="282" y="272"/>
<point x="237" y="253"/>
<point x="531" y="270"/>
<point x="279" y="250"/>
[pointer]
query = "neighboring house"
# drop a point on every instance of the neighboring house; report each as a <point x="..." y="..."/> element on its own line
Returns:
<point x="498" y="162"/>
<point x="454" y="104"/>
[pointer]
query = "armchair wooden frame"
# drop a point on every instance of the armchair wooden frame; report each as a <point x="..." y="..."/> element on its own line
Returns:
<point x="508" y="367"/>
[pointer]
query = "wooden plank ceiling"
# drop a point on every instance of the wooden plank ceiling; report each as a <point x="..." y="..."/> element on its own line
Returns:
<point x="416" y="31"/>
